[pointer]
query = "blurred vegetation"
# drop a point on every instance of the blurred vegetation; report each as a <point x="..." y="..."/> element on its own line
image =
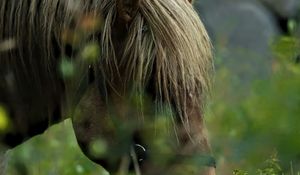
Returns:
<point x="256" y="133"/>
<point x="53" y="153"/>
<point x="247" y="129"/>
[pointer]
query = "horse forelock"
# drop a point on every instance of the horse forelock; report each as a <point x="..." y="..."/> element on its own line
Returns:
<point x="166" y="39"/>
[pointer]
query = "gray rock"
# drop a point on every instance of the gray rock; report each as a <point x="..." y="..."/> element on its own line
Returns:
<point x="285" y="8"/>
<point x="241" y="32"/>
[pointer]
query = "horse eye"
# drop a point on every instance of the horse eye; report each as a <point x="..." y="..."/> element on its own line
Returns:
<point x="68" y="50"/>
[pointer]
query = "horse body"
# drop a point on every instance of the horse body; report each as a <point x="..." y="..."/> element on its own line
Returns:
<point x="30" y="89"/>
<point x="159" y="48"/>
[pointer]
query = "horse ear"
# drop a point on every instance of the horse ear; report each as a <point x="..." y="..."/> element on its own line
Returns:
<point x="127" y="9"/>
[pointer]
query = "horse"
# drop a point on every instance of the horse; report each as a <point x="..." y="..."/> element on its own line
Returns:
<point x="151" y="53"/>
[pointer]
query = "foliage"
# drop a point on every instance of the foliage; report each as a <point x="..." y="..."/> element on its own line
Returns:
<point x="247" y="128"/>
<point x="4" y="121"/>
<point x="244" y="129"/>
<point x="55" y="152"/>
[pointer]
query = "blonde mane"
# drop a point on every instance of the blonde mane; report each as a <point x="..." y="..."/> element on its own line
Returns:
<point x="166" y="42"/>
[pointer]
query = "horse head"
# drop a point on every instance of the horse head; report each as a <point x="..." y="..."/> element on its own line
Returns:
<point x="151" y="53"/>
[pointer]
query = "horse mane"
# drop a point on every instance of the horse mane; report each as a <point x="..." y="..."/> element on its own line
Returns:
<point x="166" y="42"/>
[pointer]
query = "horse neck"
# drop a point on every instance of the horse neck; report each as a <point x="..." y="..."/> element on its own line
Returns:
<point x="28" y="114"/>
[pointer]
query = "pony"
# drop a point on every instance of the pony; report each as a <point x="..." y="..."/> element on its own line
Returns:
<point x="148" y="53"/>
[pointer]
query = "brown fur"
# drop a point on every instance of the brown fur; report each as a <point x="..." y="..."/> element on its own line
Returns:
<point x="156" y="44"/>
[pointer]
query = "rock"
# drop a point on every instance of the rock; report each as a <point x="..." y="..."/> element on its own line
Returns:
<point x="285" y="8"/>
<point x="241" y="32"/>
